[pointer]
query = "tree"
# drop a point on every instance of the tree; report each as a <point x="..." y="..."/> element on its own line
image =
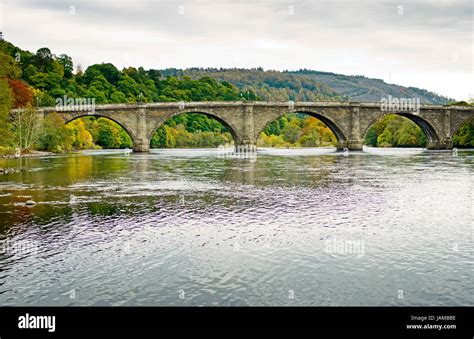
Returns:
<point x="292" y="132"/>
<point x="29" y="72"/>
<point x="26" y="128"/>
<point x="118" y="97"/>
<point x="111" y="135"/>
<point x="316" y="133"/>
<point x="6" y="135"/>
<point x="55" y="136"/>
<point x="155" y="76"/>
<point x="68" y="66"/>
<point x="385" y="139"/>
<point x="42" y="98"/>
<point x="9" y="67"/>
<point x="43" y="60"/>
<point x="81" y="138"/>
<point x="409" y="135"/>
<point x="79" y="71"/>
<point x="464" y="136"/>
<point x="371" y="137"/>
<point x="129" y="87"/>
<point x="22" y="94"/>
<point x="9" y="72"/>
<point x="158" y="139"/>
<point x="273" y="128"/>
<point x="109" y="71"/>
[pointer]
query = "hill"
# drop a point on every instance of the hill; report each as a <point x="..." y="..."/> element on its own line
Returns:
<point x="308" y="85"/>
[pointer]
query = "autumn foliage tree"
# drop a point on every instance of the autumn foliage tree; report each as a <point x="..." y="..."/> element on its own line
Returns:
<point x="22" y="94"/>
<point x="9" y="71"/>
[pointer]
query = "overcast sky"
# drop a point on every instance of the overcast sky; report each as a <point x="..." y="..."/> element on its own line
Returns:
<point x="427" y="44"/>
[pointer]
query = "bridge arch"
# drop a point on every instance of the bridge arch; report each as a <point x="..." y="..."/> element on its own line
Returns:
<point x="231" y="126"/>
<point x="71" y="117"/>
<point x="335" y="128"/>
<point x="432" y="136"/>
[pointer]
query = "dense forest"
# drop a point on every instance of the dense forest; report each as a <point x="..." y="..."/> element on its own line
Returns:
<point x="267" y="85"/>
<point x="29" y="80"/>
<point x="308" y="85"/>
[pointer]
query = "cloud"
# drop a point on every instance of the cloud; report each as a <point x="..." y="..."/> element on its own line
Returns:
<point x="414" y="44"/>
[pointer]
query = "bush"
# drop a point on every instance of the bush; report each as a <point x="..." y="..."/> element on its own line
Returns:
<point x="6" y="151"/>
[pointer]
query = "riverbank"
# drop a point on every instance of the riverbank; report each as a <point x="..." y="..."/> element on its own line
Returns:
<point x="30" y="154"/>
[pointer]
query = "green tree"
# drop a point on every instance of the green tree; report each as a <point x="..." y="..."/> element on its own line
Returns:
<point x="110" y="135"/>
<point x="371" y="137"/>
<point x="464" y="136"/>
<point x="107" y="70"/>
<point x="68" y="66"/>
<point x="43" y="60"/>
<point x="129" y="87"/>
<point x="9" y="67"/>
<point x="292" y="132"/>
<point x="55" y="136"/>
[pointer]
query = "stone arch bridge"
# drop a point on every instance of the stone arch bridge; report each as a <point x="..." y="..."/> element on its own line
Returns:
<point x="246" y="120"/>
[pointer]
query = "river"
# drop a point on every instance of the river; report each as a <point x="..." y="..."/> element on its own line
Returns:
<point x="203" y="227"/>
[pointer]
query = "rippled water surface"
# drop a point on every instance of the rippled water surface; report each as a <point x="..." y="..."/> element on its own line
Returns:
<point x="196" y="227"/>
